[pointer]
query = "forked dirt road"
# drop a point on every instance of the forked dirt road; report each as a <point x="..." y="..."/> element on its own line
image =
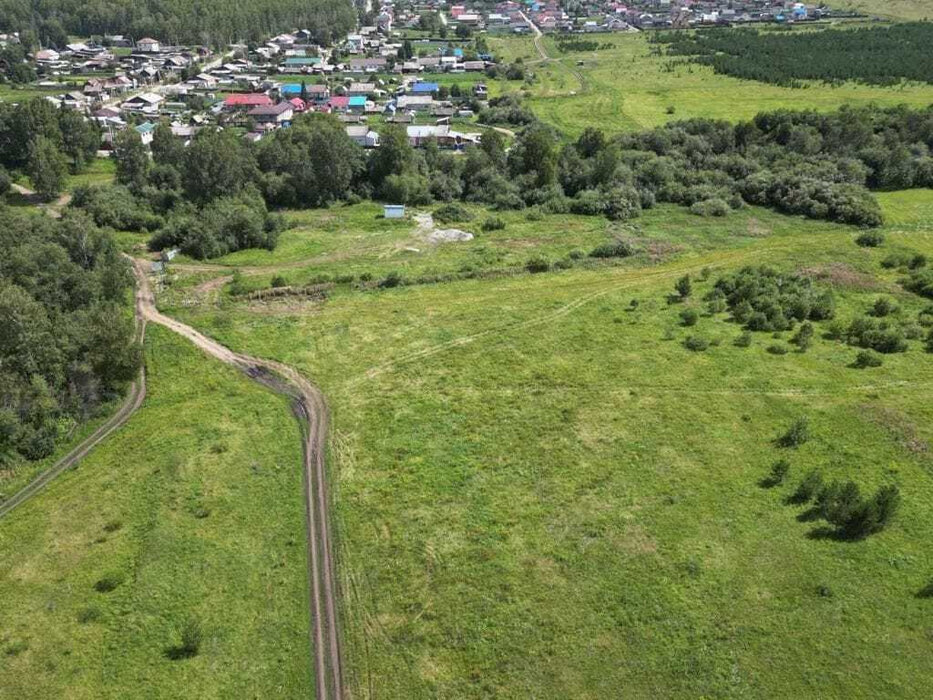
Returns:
<point x="311" y="411"/>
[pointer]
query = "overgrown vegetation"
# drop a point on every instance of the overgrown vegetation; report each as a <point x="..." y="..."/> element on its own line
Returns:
<point x="66" y="340"/>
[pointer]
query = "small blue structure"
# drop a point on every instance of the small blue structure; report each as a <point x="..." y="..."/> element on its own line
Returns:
<point x="424" y="88"/>
<point x="394" y="211"/>
<point x="290" y="89"/>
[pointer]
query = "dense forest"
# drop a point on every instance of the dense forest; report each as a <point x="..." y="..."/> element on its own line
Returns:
<point x="216" y="23"/>
<point x="66" y="342"/>
<point x="876" y="55"/>
<point x="219" y="194"/>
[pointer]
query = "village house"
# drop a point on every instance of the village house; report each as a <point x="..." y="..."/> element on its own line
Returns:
<point x="364" y="136"/>
<point x="145" y="102"/>
<point x="278" y="114"/>
<point x="246" y="101"/>
<point x="148" y="45"/>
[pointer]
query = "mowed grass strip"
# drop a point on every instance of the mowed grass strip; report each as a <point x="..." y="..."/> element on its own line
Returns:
<point x="541" y="493"/>
<point x="194" y="509"/>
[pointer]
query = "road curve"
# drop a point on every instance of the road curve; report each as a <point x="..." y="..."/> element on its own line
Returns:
<point x="311" y="411"/>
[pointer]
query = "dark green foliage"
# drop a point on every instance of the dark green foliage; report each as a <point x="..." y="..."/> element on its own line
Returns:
<point x="507" y="109"/>
<point x="743" y="340"/>
<point x="312" y="163"/>
<point x="920" y="282"/>
<point x="696" y="343"/>
<point x="88" y="614"/>
<point x="65" y="345"/>
<point x="804" y="336"/>
<point x="538" y="264"/>
<point x="710" y="207"/>
<point x="867" y="358"/>
<point x="614" y="249"/>
<point x="876" y="55"/>
<point x="842" y="505"/>
<point x="763" y="299"/>
<point x="797" y="434"/>
<point x="46" y="167"/>
<point x="190" y="636"/>
<point x="881" y="336"/>
<point x="778" y="474"/>
<point x="219" y="23"/>
<point x="808" y="488"/>
<point x="452" y="214"/>
<point x="777" y="349"/>
<point x="689" y="317"/>
<point x="131" y="158"/>
<point x="493" y="223"/>
<point x="278" y="281"/>
<point x="117" y="208"/>
<point x="870" y="239"/>
<point x="884" y="307"/>
<point x="683" y="287"/>
<point x="393" y="279"/>
<point x="928" y="343"/>
<point x="108" y="582"/>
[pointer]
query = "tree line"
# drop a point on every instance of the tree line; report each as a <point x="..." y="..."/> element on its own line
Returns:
<point x="822" y="166"/>
<point x="217" y="23"/>
<point x="66" y="340"/>
<point x="875" y="55"/>
<point x="46" y="143"/>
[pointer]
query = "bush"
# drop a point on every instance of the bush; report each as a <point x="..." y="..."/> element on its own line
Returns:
<point x="88" y="614"/>
<point x="867" y="358"/>
<point x="689" y="317"/>
<point x="615" y="249"/>
<point x="189" y="644"/>
<point x="711" y="207"/>
<point x="743" y="340"/>
<point x="683" y="287"/>
<point x="278" y="281"/>
<point x="804" y="336"/>
<point x="696" y="343"/>
<point x="538" y="264"/>
<point x="393" y="279"/>
<point x="808" y="488"/>
<point x="108" y="583"/>
<point x="453" y="213"/>
<point x="884" y="307"/>
<point x="870" y="239"/>
<point x="796" y="435"/>
<point x="777" y="349"/>
<point x="493" y="223"/>
<point x="920" y="282"/>
<point x="874" y="335"/>
<point x="779" y="472"/>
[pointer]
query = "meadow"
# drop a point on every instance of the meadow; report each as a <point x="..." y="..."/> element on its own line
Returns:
<point x="540" y="492"/>
<point x="194" y="509"/>
<point x="626" y="87"/>
<point x="889" y="9"/>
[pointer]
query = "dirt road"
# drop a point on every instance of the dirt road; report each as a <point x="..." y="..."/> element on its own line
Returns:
<point x="311" y="411"/>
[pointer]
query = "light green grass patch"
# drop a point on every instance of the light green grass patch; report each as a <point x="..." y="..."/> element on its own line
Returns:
<point x="196" y="506"/>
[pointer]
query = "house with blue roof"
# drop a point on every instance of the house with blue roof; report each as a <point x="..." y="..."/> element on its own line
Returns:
<point x="146" y="130"/>
<point x="291" y="89"/>
<point x="357" y="103"/>
<point x="421" y="88"/>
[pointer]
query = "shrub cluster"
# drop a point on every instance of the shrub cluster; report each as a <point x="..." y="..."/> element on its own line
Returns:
<point x="763" y="299"/>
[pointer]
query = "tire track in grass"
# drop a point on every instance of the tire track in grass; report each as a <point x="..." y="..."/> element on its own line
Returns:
<point x="311" y="412"/>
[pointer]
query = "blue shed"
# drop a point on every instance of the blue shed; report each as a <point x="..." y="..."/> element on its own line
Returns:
<point x="424" y="88"/>
<point x="290" y="89"/>
<point x="394" y="211"/>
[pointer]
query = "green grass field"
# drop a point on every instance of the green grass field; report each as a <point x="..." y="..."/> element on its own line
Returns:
<point x="196" y="505"/>
<point x="889" y="9"/>
<point x="625" y="88"/>
<point x="541" y="493"/>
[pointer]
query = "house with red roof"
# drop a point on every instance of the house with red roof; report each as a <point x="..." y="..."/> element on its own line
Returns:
<point x="241" y="100"/>
<point x="338" y="103"/>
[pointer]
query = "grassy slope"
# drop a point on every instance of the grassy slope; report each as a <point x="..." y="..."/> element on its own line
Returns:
<point x="539" y="496"/>
<point x="892" y="9"/>
<point x="625" y="87"/>
<point x="205" y="438"/>
<point x="356" y="240"/>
